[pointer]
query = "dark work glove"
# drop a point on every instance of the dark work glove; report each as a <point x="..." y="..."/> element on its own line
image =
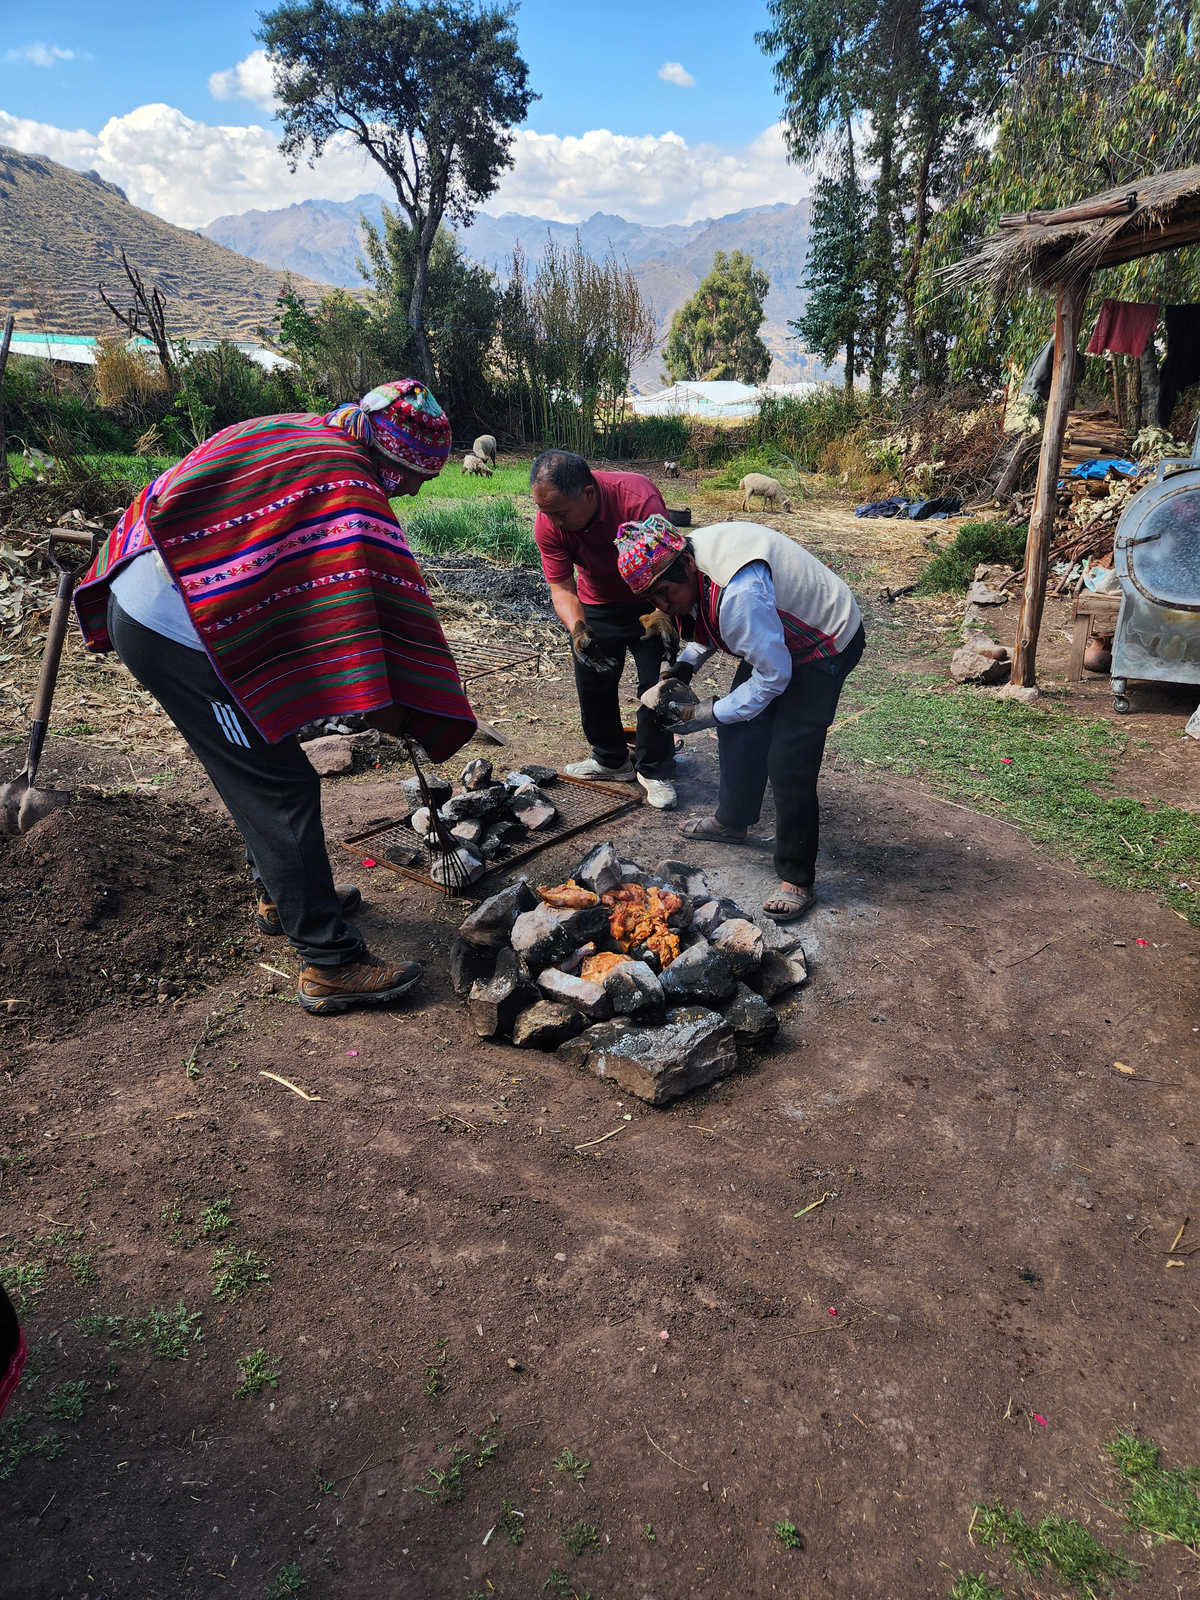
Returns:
<point x="682" y="671"/>
<point x="587" y="652"/>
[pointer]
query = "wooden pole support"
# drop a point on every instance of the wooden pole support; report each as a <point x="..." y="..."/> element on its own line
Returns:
<point x="1041" y="522"/>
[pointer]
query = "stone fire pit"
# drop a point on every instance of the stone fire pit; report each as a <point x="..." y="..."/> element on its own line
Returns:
<point x="658" y="1027"/>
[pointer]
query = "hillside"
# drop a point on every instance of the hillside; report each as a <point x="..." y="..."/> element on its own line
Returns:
<point x="321" y="237"/>
<point x="62" y="232"/>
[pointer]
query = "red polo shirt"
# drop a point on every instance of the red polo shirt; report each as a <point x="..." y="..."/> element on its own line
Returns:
<point x="592" y="554"/>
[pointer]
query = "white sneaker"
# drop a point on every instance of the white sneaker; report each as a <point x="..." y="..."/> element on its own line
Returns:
<point x="591" y="768"/>
<point x="660" y="792"/>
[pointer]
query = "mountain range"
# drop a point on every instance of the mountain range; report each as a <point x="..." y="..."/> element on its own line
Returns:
<point x="321" y="238"/>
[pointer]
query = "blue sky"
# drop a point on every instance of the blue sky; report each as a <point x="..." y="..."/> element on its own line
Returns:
<point x="601" y="74"/>
<point x="608" y="133"/>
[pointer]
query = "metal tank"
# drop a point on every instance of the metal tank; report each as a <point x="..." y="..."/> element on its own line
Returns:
<point x="1156" y="554"/>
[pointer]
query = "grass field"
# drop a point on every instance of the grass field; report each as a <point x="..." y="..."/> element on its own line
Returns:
<point x="509" y="478"/>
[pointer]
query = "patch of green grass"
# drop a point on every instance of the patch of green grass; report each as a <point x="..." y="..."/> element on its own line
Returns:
<point x="98" y="1325"/>
<point x="449" y="1483"/>
<point x="1046" y="771"/>
<point x="217" y="1219"/>
<point x="16" y="1446"/>
<point x="568" y="1461"/>
<point x="288" y="1580"/>
<point x="238" y="1272"/>
<point x="452" y="483"/>
<point x="649" y="1534"/>
<point x="510" y="1522"/>
<point x="172" y="1335"/>
<point x="975" y="543"/>
<point x="1071" y="1551"/>
<point x="491" y="528"/>
<point x="1160" y="1500"/>
<point x="258" y="1371"/>
<point x="580" y="1537"/>
<point x="759" y="458"/>
<point x="974" y="1586"/>
<point x="560" y="1585"/>
<point x="25" y="1284"/>
<point x="68" y="1401"/>
<point x="435" y="1373"/>
<point x="82" y="1267"/>
<point x="789" y="1535"/>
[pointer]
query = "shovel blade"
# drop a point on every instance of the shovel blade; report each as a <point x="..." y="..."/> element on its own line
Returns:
<point x="22" y="806"/>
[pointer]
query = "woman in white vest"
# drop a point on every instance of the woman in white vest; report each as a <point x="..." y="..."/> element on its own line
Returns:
<point x="797" y="631"/>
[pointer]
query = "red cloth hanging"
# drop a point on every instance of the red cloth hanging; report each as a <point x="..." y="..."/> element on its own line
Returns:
<point x="1123" y="327"/>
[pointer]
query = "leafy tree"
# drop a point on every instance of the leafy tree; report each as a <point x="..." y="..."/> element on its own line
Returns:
<point x="431" y="92"/>
<point x="333" y="346"/>
<point x="833" y="315"/>
<point x="715" y="334"/>
<point x="460" y="309"/>
<point x="1081" y="112"/>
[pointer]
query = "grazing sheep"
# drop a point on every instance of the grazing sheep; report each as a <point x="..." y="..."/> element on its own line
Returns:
<point x="770" y="489"/>
<point x="670" y="469"/>
<point x="473" y="467"/>
<point x="485" y="448"/>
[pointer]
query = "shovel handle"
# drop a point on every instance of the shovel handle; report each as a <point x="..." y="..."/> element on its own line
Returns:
<point x="60" y="616"/>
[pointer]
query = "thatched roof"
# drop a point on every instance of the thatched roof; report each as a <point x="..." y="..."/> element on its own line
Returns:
<point x="1040" y="249"/>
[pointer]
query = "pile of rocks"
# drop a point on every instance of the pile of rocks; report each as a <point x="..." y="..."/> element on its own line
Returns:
<point x="657" y="1031"/>
<point x="488" y="819"/>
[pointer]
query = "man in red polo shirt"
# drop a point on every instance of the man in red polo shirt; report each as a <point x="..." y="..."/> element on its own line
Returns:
<point x="579" y="512"/>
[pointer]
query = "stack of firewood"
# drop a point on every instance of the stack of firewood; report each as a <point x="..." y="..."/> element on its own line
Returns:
<point x="1091" y="434"/>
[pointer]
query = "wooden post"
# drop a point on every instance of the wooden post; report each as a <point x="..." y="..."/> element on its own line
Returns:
<point x="1041" y="522"/>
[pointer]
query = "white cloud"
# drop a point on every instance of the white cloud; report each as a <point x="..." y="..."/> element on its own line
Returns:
<point x="190" y="172"/>
<point x="675" y="72"/>
<point x="252" y="79"/>
<point x="39" y="55"/>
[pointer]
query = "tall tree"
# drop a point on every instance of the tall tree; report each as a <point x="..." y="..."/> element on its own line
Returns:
<point x="833" y="316"/>
<point x="714" y="334"/>
<point x="431" y="92"/>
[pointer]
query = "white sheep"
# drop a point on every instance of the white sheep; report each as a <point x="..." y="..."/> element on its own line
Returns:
<point x="770" y="489"/>
<point x="473" y="467"/>
<point x="670" y="469"/>
<point x="485" y="448"/>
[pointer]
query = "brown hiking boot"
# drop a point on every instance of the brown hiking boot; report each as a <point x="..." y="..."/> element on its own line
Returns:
<point x="349" y="899"/>
<point x="366" y="982"/>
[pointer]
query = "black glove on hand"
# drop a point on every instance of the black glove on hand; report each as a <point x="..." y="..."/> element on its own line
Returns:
<point x="587" y="652"/>
<point x="682" y="671"/>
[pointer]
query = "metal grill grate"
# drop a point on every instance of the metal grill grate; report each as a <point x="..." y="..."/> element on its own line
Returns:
<point x="476" y="660"/>
<point x="581" y="805"/>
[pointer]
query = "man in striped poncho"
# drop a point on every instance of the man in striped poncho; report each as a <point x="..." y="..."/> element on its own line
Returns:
<point x="264" y="582"/>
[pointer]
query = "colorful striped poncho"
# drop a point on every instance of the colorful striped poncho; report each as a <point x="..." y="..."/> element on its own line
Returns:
<point x="298" y="579"/>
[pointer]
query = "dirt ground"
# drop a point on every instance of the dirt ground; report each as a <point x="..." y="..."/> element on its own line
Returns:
<point x="980" y="1300"/>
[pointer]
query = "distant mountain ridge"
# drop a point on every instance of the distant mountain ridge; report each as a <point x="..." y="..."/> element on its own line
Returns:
<point x="62" y="233"/>
<point x="321" y="238"/>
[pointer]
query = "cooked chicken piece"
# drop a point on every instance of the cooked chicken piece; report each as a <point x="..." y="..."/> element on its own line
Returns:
<point x="596" y="968"/>
<point x="627" y="894"/>
<point x="569" y="896"/>
<point x="641" y="919"/>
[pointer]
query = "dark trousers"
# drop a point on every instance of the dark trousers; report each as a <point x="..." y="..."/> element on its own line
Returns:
<point x="270" y="790"/>
<point x="617" y="629"/>
<point x="785" y="743"/>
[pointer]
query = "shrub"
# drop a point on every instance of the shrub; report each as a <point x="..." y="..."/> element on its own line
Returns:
<point x="804" y="427"/>
<point x="647" y="438"/>
<point x="973" y="543"/>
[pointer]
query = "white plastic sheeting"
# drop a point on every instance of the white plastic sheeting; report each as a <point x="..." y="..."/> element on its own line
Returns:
<point x="722" y="398"/>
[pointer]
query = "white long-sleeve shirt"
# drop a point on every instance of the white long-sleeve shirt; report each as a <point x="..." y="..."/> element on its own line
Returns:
<point x="751" y="629"/>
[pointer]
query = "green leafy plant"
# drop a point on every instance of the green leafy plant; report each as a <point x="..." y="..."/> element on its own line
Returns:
<point x="288" y="1580"/>
<point x="99" y="1325"/>
<point x="217" y="1219"/>
<point x="25" y="1284"/>
<point x="580" y="1537"/>
<point x="568" y="1461"/>
<point x="1164" y="1501"/>
<point x="435" y="1373"/>
<point x="510" y="1522"/>
<point x="258" y="1371"/>
<point x="1072" y="1551"/>
<point x="173" y="1335"/>
<point x="82" y="1267"/>
<point x="649" y="1534"/>
<point x="974" y="1586"/>
<point x="974" y="544"/>
<point x="238" y="1272"/>
<point x="560" y="1585"/>
<point x="68" y="1401"/>
<point x="789" y="1535"/>
<point x="488" y="527"/>
<point x="449" y="1482"/>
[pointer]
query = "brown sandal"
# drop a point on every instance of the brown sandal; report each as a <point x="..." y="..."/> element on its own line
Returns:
<point x="710" y="828"/>
<point x="793" y="904"/>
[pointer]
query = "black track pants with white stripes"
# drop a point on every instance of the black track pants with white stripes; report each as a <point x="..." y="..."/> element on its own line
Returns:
<point x="270" y="790"/>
